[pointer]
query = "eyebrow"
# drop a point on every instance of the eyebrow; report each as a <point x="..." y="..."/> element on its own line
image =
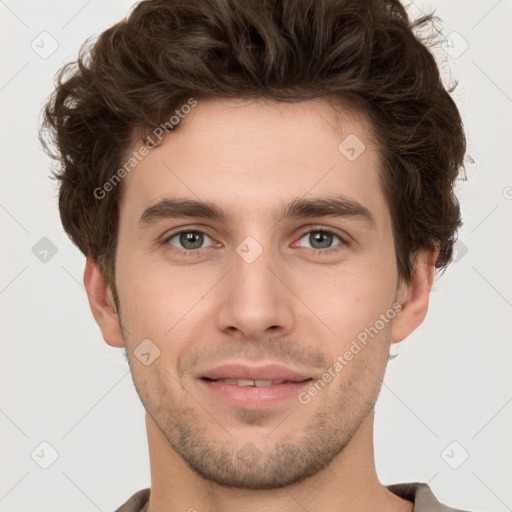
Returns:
<point x="337" y="207"/>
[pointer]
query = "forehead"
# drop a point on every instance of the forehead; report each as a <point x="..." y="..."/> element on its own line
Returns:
<point x="250" y="153"/>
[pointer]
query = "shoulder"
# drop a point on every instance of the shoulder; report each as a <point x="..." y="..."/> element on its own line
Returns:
<point x="136" y="503"/>
<point x="422" y="496"/>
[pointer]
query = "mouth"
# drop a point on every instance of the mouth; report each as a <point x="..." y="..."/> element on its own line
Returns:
<point x="253" y="394"/>
<point x="255" y="383"/>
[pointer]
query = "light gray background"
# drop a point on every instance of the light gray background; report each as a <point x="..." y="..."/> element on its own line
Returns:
<point x="62" y="384"/>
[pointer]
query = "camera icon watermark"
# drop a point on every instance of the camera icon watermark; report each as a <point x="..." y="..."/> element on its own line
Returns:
<point x="459" y="251"/>
<point x="249" y="454"/>
<point x="44" y="455"/>
<point x="351" y="147"/>
<point x="249" y="249"/>
<point x="146" y="352"/>
<point x="507" y="193"/>
<point x="45" y="45"/>
<point x="455" y="455"/>
<point x="413" y="11"/>
<point x="455" y="45"/>
<point x="44" y="250"/>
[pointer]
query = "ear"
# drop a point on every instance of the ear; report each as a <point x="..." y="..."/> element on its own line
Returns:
<point x="414" y="295"/>
<point x="101" y="302"/>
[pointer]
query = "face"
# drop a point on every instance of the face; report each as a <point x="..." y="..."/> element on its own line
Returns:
<point x="263" y="283"/>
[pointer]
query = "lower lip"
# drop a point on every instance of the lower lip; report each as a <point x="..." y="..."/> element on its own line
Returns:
<point x="254" y="397"/>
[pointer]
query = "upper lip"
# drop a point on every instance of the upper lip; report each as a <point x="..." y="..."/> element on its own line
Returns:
<point x="267" y="372"/>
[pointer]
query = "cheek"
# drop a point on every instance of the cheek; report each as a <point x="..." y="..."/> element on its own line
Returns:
<point x="352" y="301"/>
<point x="144" y="287"/>
<point x="164" y="304"/>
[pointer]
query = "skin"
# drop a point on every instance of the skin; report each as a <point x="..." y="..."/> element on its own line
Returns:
<point x="290" y="306"/>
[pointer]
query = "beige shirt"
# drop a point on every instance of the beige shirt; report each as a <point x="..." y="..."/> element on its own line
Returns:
<point x="419" y="493"/>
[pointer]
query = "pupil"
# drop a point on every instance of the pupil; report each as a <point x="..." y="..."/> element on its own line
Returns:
<point x="317" y="237"/>
<point x="187" y="240"/>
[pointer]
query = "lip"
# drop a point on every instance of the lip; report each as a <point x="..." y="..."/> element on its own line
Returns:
<point x="252" y="397"/>
<point x="266" y="372"/>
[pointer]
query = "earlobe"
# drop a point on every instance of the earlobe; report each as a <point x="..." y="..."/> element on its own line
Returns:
<point x="413" y="295"/>
<point x="102" y="303"/>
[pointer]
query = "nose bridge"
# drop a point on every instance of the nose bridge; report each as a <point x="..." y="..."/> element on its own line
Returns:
<point x="255" y="299"/>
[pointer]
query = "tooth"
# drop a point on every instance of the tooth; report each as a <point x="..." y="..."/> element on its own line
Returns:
<point x="242" y="382"/>
<point x="263" y="383"/>
<point x="246" y="382"/>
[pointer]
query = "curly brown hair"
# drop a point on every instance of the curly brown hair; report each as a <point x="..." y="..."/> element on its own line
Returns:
<point x="368" y="52"/>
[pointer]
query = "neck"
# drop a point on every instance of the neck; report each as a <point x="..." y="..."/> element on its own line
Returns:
<point x="349" y="482"/>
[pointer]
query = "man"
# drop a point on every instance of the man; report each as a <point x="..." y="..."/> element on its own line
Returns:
<point x="263" y="191"/>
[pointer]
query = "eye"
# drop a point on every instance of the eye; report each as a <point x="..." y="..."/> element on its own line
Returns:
<point x="188" y="240"/>
<point x="191" y="241"/>
<point x="321" y="240"/>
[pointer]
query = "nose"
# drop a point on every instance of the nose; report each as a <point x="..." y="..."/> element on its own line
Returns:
<point x="256" y="300"/>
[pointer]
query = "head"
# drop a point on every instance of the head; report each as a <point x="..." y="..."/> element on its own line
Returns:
<point x="258" y="120"/>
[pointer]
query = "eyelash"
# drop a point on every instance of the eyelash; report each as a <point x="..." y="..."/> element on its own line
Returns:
<point x="198" y="252"/>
